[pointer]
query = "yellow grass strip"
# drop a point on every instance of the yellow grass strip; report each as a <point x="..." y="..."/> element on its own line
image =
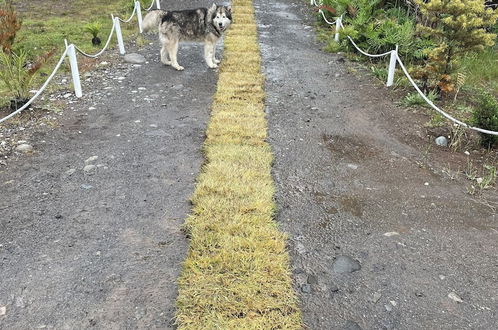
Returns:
<point x="236" y="275"/>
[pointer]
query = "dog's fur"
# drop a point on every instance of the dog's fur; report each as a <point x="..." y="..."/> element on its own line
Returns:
<point x="203" y="24"/>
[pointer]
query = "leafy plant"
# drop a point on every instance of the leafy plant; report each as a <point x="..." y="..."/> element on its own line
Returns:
<point x="9" y="25"/>
<point x="17" y="74"/>
<point x="94" y="28"/>
<point x="485" y="115"/>
<point x="414" y="99"/>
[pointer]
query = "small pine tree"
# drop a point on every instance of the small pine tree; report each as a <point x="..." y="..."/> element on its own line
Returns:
<point x="457" y="26"/>
<point x="9" y="25"/>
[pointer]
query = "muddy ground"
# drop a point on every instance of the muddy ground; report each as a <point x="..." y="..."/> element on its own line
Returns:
<point x="380" y="236"/>
<point x="102" y="247"/>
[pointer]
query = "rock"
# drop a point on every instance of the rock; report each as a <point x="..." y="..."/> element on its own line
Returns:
<point x="453" y="296"/>
<point x="351" y="325"/>
<point x="388" y="308"/>
<point x="89" y="168"/>
<point x="442" y="141"/>
<point x="91" y="159"/>
<point x="334" y="288"/>
<point x="306" y="288"/>
<point x="345" y="264"/>
<point x="312" y="279"/>
<point x="375" y="297"/>
<point x="24" y="148"/>
<point x="391" y="233"/>
<point x="20" y="302"/>
<point x="87" y="74"/>
<point x="134" y="58"/>
<point x="70" y="171"/>
<point x="86" y="186"/>
<point x="3" y="310"/>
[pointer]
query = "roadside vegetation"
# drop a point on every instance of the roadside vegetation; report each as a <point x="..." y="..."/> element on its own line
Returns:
<point x="33" y="33"/>
<point x="236" y="275"/>
<point x="449" y="47"/>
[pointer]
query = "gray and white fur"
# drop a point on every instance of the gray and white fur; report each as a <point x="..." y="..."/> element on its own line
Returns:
<point x="203" y="24"/>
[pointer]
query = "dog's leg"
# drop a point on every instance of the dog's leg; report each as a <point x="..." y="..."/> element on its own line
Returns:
<point x="208" y="54"/>
<point x="215" y="60"/>
<point x="164" y="49"/>
<point x="173" y="50"/>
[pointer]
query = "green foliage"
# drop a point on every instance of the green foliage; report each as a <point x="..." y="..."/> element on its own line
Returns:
<point x="414" y="99"/>
<point x="485" y="116"/>
<point x="94" y="28"/>
<point x="457" y="27"/>
<point x="14" y="75"/>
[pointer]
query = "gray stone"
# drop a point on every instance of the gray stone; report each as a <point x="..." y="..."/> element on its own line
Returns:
<point x="453" y="296"/>
<point x="375" y="297"/>
<point x="312" y="279"/>
<point x="345" y="264"/>
<point x="91" y="159"/>
<point x="3" y="310"/>
<point x="70" y="171"/>
<point x="86" y="186"/>
<point x="24" y="148"/>
<point x="306" y="288"/>
<point x="334" y="288"/>
<point x="89" y="168"/>
<point x="134" y="58"/>
<point x="442" y="141"/>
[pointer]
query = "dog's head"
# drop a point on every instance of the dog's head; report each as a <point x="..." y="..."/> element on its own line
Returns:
<point x="221" y="16"/>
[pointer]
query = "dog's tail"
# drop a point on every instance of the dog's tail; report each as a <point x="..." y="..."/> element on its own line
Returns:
<point x="152" y="20"/>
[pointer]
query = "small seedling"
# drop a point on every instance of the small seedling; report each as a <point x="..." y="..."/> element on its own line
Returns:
<point x="94" y="28"/>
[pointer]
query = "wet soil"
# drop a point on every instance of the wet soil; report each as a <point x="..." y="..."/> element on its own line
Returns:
<point x="103" y="247"/>
<point x="358" y="175"/>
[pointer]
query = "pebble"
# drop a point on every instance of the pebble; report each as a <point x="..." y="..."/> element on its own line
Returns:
<point x="376" y="297"/>
<point x="312" y="279"/>
<point x="334" y="288"/>
<point x="391" y="233"/>
<point x="3" y="310"/>
<point x="86" y="186"/>
<point x="89" y="168"/>
<point x="91" y="159"/>
<point x="24" y="148"/>
<point x="134" y="58"/>
<point x="345" y="264"/>
<point x="121" y="78"/>
<point x="306" y="288"/>
<point x="91" y="108"/>
<point x="442" y="141"/>
<point x="70" y="171"/>
<point x="353" y="166"/>
<point x="453" y="296"/>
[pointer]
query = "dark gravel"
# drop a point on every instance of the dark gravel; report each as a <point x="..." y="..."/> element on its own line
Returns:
<point x="352" y="181"/>
<point x="103" y="248"/>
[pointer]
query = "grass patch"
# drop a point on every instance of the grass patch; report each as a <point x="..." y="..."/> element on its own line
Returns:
<point x="46" y="23"/>
<point x="236" y="275"/>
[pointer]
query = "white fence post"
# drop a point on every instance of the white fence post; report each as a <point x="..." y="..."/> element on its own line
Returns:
<point x="392" y="67"/>
<point x="75" y="72"/>
<point x="158" y="4"/>
<point x="138" y="8"/>
<point x="338" y="24"/>
<point x="119" y="35"/>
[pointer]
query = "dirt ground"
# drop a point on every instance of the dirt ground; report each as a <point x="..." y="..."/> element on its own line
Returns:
<point x="383" y="233"/>
<point x="101" y="246"/>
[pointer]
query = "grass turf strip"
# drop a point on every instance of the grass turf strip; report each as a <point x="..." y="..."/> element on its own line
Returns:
<point x="236" y="275"/>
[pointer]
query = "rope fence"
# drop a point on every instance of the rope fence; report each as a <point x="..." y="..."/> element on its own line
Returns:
<point x="71" y="50"/>
<point x="396" y="59"/>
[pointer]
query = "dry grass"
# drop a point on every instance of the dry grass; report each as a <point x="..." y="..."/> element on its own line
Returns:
<point x="236" y="275"/>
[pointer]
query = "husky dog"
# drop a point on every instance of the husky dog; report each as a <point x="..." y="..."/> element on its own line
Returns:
<point x="203" y="24"/>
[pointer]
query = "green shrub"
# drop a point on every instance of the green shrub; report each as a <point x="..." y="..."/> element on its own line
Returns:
<point x="485" y="115"/>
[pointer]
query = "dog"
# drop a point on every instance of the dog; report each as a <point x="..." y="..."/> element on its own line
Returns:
<point x="203" y="24"/>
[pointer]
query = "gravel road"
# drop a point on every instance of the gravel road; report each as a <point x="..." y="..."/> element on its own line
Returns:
<point x="378" y="240"/>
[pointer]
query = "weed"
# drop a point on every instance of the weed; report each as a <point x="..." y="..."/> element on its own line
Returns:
<point x="485" y="116"/>
<point x="414" y="99"/>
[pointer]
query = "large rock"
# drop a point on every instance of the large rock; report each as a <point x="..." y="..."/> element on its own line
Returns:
<point x="134" y="58"/>
<point x="345" y="264"/>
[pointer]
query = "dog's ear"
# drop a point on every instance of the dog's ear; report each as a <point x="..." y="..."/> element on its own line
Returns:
<point x="213" y="7"/>
<point x="229" y="9"/>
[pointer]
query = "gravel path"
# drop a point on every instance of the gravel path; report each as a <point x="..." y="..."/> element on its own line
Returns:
<point x="90" y="225"/>
<point x="378" y="240"/>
